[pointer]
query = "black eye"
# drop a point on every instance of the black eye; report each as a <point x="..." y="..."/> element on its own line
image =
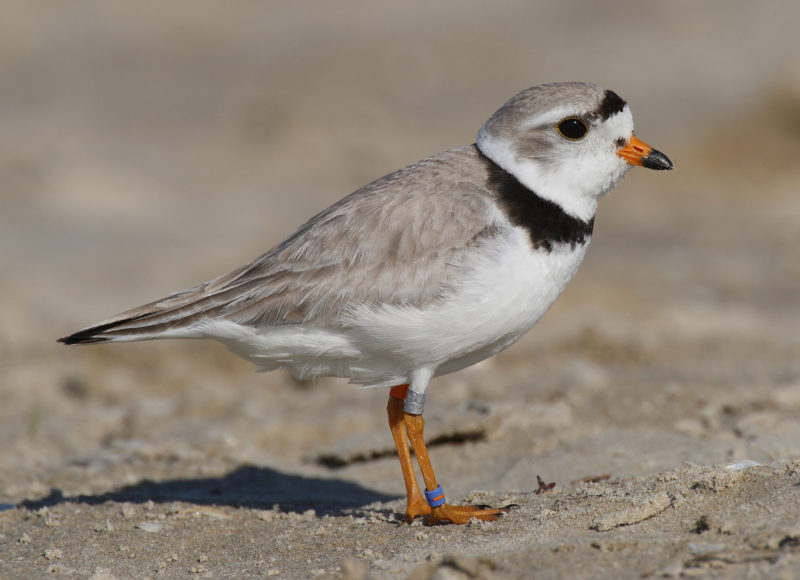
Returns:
<point x="572" y="129"/>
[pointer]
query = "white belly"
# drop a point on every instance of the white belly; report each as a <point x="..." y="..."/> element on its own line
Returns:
<point x="509" y="288"/>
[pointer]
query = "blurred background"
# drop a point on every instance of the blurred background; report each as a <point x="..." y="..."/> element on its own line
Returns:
<point x="149" y="146"/>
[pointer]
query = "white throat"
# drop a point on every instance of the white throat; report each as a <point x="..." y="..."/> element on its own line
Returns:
<point x="541" y="180"/>
<point x="576" y="185"/>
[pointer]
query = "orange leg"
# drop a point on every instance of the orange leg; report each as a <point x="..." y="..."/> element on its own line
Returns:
<point x="405" y="427"/>
<point x="416" y="506"/>
<point x="415" y="425"/>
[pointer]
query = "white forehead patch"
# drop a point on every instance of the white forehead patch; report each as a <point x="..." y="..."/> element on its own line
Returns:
<point x="620" y="123"/>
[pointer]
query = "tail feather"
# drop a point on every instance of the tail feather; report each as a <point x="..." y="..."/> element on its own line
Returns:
<point x="171" y="317"/>
<point x="179" y="315"/>
<point x="96" y="333"/>
<point x="147" y="321"/>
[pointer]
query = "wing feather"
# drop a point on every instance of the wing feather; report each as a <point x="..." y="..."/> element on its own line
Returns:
<point x="398" y="240"/>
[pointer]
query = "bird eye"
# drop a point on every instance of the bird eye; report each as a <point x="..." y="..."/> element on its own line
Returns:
<point x="572" y="129"/>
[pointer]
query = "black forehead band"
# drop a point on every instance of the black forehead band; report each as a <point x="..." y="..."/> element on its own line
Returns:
<point x="611" y="105"/>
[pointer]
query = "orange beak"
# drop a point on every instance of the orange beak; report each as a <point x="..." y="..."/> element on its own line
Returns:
<point x="637" y="152"/>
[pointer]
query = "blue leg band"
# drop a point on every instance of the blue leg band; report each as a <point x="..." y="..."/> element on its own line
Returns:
<point x="436" y="497"/>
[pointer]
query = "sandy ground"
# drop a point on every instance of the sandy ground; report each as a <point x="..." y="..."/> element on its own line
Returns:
<point x="147" y="148"/>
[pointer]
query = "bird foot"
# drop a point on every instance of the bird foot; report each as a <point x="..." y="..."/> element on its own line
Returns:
<point x="416" y="507"/>
<point x="461" y="514"/>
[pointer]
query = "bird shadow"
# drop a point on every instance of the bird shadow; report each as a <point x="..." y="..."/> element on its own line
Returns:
<point x="246" y="486"/>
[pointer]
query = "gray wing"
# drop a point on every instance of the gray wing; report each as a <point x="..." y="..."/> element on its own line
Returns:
<point x="398" y="240"/>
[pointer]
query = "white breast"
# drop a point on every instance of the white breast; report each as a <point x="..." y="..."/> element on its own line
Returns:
<point x="508" y="288"/>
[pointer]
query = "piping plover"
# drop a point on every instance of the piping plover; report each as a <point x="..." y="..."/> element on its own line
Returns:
<point x="425" y="271"/>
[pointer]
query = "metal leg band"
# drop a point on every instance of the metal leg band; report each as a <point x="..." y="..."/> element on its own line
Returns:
<point x="415" y="403"/>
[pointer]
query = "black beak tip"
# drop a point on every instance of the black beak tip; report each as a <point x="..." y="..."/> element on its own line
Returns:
<point x="657" y="160"/>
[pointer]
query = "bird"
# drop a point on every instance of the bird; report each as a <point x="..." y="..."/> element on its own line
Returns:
<point x="423" y="272"/>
